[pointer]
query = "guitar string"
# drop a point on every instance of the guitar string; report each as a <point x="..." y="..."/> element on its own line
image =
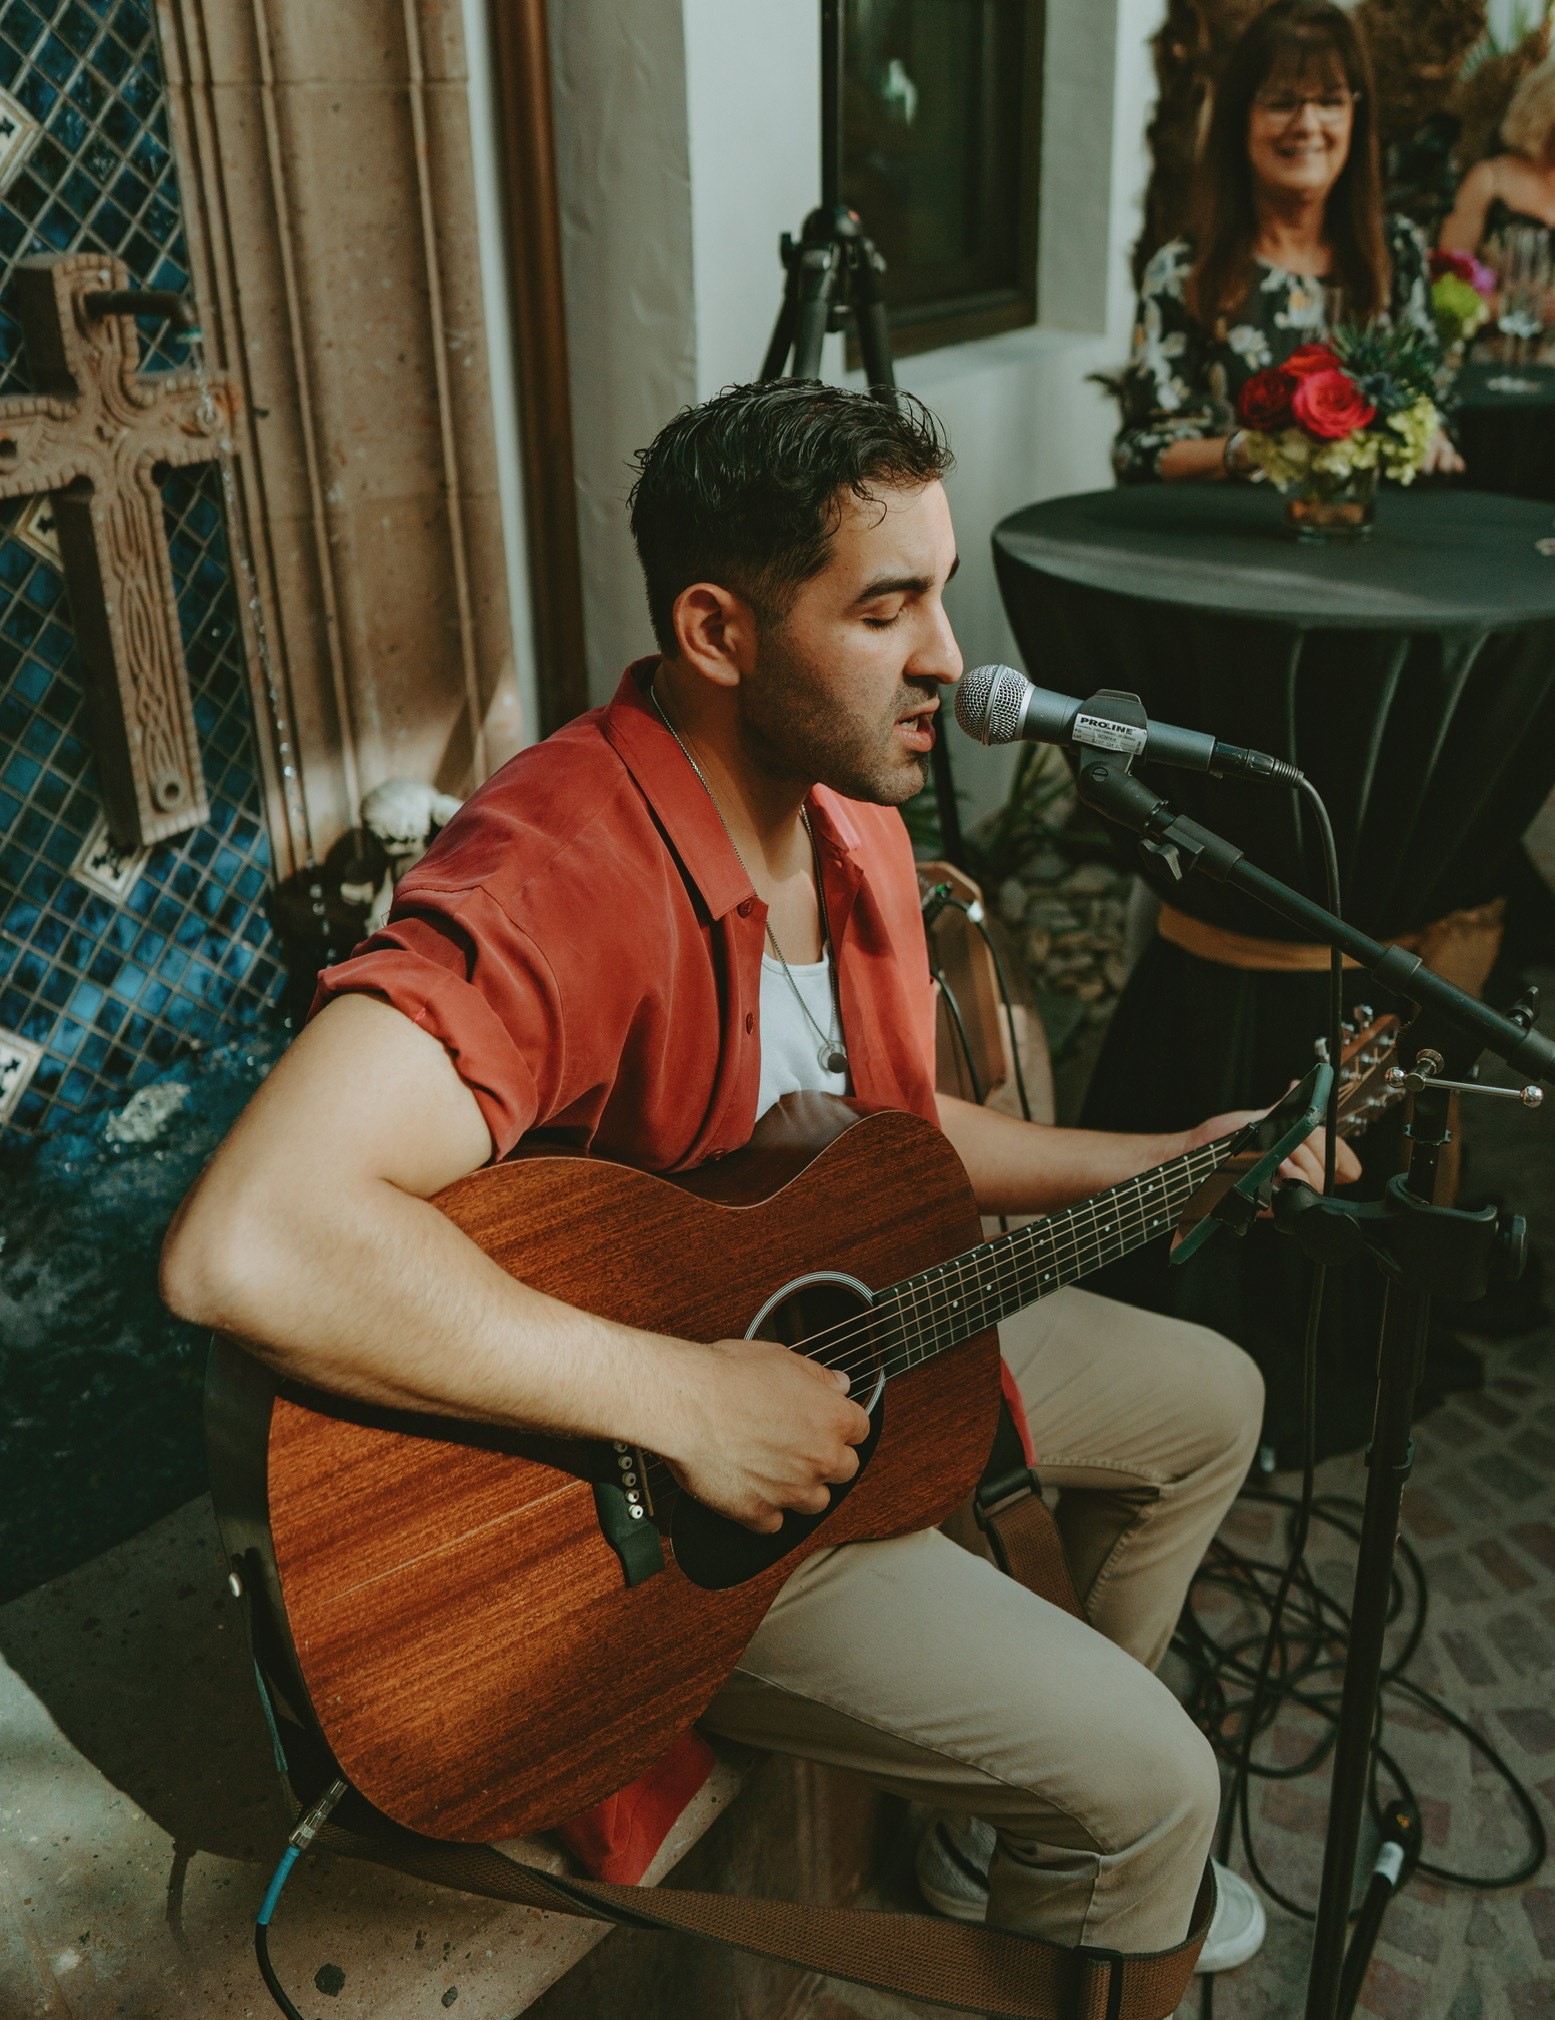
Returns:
<point x="882" y="1331"/>
<point x="1007" y="1260"/>
<point x="1051" y="1248"/>
<point x="879" y="1342"/>
<point x="1126" y="1230"/>
<point x="1070" y="1233"/>
<point x="1097" y="1233"/>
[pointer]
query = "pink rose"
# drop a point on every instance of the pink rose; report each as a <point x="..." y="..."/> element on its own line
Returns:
<point x="1330" y="405"/>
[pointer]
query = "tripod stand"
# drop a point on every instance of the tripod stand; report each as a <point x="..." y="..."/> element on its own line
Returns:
<point x="832" y="282"/>
<point x="1425" y="1251"/>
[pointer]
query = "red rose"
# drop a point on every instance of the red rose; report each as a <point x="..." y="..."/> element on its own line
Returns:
<point x="1460" y="263"/>
<point x="1330" y="405"/>
<point x="1309" y="359"/>
<point x="1264" y="402"/>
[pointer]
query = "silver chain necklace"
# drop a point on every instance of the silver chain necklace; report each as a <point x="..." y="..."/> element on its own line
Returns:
<point x="832" y="1052"/>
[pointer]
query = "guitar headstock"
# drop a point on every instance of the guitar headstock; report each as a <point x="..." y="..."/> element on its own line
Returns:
<point x="1369" y="1044"/>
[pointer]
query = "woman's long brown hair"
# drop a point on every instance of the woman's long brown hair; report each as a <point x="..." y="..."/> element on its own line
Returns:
<point x="1304" y="40"/>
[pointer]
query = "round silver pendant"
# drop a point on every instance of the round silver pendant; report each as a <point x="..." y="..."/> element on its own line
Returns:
<point x="833" y="1059"/>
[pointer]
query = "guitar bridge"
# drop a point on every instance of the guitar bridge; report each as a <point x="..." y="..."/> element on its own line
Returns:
<point x="625" y="1512"/>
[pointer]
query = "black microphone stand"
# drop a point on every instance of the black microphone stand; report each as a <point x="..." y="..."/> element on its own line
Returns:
<point x="1424" y="1250"/>
<point x="832" y="282"/>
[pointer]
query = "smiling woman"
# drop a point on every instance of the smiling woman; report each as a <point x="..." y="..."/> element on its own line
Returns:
<point x="1289" y="236"/>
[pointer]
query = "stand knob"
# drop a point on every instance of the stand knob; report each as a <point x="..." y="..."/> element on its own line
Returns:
<point x="1412" y="1083"/>
<point x="1510" y="1254"/>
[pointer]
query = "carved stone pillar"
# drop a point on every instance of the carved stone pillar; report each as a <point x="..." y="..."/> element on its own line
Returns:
<point x="331" y="216"/>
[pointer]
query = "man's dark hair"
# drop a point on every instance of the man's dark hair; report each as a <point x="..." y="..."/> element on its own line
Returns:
<point x="747" y="489"/>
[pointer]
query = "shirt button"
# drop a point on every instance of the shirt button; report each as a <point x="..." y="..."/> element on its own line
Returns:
<point x="745" y="907"/>
<point x="750" y="1022"/>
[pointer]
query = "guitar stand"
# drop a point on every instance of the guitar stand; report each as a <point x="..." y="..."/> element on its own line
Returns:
<point x="1425" y="1251"/>
<point x="832" y="282"/>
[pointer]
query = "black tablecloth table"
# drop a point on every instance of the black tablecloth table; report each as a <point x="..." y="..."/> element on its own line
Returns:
<point x="1412" y="677"/>
<point x="1507" y="438"/>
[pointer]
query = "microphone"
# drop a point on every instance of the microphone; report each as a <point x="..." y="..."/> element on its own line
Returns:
<point x="996" y="704"/>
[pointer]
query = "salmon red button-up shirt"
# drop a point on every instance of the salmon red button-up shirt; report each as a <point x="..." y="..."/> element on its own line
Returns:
<point x="584" y="941"/>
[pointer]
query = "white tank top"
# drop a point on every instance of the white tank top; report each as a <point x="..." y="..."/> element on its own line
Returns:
<point x="790" y="1049"/>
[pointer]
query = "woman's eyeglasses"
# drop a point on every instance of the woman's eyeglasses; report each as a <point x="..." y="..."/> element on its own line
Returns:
<point x="1280" y="108"/>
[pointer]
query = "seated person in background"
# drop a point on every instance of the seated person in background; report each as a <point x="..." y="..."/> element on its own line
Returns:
<point x="1287" y="203"/>
<point x="1517" y="187"/>
<point x="571" y="954"/>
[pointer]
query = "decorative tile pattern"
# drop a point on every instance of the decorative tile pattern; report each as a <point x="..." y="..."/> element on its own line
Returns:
<point x="107" y="867"/>
<point x="36" y="529"/>
<point x="108" y="967"/>
<point x="18" y="1062"/>
<point x="18" y="131"/>
<point x="100" y="172"/>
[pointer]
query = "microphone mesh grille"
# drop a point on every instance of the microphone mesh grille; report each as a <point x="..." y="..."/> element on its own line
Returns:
<point x="990" y="703"/>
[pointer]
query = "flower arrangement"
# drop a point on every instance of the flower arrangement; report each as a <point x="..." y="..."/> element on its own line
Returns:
<point x="1461" y="291"/>
<point x="1363" y="402"/>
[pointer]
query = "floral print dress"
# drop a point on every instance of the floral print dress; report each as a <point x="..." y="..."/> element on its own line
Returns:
<point x="1181" y="381"/>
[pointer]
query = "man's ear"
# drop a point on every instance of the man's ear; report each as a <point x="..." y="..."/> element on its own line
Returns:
<point x="715" y="632"/>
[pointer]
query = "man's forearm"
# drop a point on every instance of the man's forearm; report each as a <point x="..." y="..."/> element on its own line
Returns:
<point x="1026" y="1167"/>
<point x="381" y="1297"/>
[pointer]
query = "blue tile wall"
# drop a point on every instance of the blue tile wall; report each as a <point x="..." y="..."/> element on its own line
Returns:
<point x="113" y="991"/>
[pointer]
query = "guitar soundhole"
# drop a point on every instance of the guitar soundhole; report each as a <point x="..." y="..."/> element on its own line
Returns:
<point x="827" y="1317"/>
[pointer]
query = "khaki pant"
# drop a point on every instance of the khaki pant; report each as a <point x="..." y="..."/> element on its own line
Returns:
<point x="926" y="1670"/>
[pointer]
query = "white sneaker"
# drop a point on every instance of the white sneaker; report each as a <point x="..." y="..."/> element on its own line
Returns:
<point x="952" y="1873"/>
<point x="952" y="1867"/>
<point x="1236" y="1931"/>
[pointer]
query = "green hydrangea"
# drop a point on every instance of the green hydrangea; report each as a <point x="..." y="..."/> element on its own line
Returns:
<point x="1460" y="309"/>
<point x="1406" y="439"/>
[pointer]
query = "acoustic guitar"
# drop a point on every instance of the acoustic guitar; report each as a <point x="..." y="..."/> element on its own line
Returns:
<point x="492" y="1630"/>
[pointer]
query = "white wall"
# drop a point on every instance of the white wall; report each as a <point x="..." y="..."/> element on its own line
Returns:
<point x="623" y="164"/>
<point x="689" y="134"/>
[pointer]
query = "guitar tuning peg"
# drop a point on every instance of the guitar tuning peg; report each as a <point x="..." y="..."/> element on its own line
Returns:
<point x="1362" y="1013"/>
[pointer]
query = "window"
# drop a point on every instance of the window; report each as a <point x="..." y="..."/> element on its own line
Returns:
<point x="940" y="133"/>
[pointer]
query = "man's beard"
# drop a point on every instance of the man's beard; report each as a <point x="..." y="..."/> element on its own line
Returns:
<point x="792" y="728"/>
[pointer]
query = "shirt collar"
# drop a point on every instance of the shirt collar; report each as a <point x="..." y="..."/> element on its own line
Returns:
<point x="686" y="809"/>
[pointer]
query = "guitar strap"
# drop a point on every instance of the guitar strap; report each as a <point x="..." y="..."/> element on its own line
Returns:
<point x="968" y="1968"/>
<point x="1017" y="1521"/>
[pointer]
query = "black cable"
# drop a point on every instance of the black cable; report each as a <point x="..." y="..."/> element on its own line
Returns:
<point x="1308" y="1664"/>
<point x="306" y="1830"/>
<point x="273" y="1984"/>
<point x="963" y="1037"/>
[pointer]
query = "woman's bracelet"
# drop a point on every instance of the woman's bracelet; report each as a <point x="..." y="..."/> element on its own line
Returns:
<point x="1228" y="453"/>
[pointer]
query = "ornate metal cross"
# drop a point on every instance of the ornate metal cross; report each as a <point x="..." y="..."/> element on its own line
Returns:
<point x="98" y="435"/>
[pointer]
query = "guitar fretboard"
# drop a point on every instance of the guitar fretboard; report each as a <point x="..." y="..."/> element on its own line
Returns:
<point x="923" y="1315"/>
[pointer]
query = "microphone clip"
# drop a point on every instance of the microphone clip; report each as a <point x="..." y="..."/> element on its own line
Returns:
<point x="1113" y="721"/>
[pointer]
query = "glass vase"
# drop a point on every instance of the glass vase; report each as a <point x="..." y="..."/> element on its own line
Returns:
<point x="1321" y="508"/>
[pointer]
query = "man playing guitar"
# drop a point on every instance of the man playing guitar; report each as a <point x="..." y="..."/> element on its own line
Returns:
<point x="641" y="933"/>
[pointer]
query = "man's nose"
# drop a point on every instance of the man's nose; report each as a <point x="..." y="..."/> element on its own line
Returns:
<point x="940" y="658"/>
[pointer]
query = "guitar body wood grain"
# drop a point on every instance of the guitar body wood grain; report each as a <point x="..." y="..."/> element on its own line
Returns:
<point x="463" y="1632"/>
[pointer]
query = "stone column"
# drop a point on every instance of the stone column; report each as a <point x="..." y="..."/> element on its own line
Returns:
<point x="330" y="200"/>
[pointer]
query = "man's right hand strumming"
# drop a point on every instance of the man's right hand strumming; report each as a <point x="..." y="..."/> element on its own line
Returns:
<point x="765" y="1429"/>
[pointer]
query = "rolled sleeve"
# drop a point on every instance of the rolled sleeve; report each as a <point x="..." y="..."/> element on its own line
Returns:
<point x="456" y="964"/>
